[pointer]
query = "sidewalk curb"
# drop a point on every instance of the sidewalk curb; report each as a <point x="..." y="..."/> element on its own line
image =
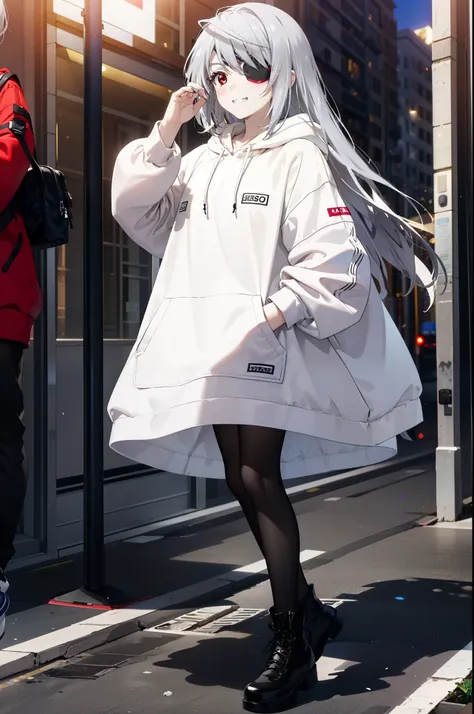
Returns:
<point x="427" y="698"/>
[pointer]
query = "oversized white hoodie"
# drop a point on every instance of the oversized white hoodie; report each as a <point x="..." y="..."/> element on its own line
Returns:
<point x="237" y="230"/>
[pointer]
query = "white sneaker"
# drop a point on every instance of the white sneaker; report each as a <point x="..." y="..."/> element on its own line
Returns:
<point x="4" y="603"/>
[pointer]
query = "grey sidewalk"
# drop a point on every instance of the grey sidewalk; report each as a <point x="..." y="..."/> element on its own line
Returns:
<point x="171" y="558"/>
<point x="406" y="593"/>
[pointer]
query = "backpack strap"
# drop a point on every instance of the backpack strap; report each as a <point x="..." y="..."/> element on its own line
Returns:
<point x="21" y="111"/>
<point x="6" y="217"/>
<point x="18" y="128"/>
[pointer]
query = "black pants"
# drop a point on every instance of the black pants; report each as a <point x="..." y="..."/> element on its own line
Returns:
<point x="12" y="476"/>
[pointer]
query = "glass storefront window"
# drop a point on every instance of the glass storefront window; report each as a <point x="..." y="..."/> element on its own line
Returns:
<point x="167" y="37"/>
<point x="131" y="105"/>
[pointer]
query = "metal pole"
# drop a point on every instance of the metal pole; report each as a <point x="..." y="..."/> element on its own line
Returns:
<point x="448" y="314"/>
<point x="40" y="344"/>
<point x="464" y="149"/>
<point x="93" y="302"/>
<point x="469" y="58"/>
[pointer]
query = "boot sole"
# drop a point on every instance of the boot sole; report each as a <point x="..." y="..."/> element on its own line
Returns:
<point x="308" y="682"/>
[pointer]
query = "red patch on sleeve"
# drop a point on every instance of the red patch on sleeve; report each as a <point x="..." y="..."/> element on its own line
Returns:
<point x="338" y="211"/>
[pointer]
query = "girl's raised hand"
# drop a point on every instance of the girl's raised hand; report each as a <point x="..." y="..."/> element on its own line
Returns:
<point x="184" y="104"/>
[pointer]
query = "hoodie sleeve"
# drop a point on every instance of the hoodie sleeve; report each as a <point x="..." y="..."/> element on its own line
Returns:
<point x="147" y="186"/>
<point x="327" y="281"/>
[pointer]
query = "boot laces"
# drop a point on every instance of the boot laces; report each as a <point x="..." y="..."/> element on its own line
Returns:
<point x="280" y="647"/>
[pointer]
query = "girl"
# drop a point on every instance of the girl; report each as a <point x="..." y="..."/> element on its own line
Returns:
<point x="266" y="350"/>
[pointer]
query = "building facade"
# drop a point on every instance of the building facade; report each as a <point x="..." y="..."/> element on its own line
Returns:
<point x="413" y="168"/>
<point x="354" y="43"/>
<point x="414" y="171"/>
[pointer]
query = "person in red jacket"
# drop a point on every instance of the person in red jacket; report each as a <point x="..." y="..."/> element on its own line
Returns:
<point x="20" y="303"/>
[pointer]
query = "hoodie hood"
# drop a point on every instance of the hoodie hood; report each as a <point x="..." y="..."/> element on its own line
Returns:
<point x="299" y="126"/>
<point x="296" y="127"/>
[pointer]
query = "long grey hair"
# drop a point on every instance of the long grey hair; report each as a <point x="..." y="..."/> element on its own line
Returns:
<point x="260" y="33"/>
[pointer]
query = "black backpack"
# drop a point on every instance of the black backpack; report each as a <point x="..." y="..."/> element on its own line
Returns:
<point x="42" y="200"/>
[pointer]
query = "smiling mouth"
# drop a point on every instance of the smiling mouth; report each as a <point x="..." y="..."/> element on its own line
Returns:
<point x="240" y="99"/>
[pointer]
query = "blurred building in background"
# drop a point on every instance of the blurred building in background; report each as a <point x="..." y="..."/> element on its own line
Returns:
<point x="413" y="174"/>
<point x="414" y="170"/>
<point x="355" y="46"/>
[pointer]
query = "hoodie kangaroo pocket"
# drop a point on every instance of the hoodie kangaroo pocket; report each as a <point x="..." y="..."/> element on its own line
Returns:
<point x="218" y="335"/>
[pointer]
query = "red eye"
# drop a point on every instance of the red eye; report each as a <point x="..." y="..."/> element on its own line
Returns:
<point x="220" y="77"/>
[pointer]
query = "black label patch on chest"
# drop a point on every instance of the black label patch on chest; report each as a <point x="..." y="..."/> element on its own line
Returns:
<point x="261" y="368"/>
<point x="261" y="199"/>
<point x="183" y="207"/>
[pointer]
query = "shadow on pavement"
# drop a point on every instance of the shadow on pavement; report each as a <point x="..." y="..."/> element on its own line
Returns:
<point x="388" y="627"/>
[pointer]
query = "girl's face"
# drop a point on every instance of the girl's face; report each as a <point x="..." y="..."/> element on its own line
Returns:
<point x="241" y="94"/>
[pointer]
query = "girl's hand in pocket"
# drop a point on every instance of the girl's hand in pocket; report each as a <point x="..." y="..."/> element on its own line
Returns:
<point x="273" y="316"/>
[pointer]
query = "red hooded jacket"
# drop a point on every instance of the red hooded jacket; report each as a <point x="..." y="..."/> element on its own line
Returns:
<point x="20" y="296"/>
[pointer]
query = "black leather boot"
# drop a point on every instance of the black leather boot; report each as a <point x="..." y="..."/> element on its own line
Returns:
<point x="321" y="622"/>
<point x="290" y="668"/>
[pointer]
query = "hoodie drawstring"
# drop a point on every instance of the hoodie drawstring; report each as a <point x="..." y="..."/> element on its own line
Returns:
<point x="205" y="207"/>
<point x="295" y="127"/>
<point x="243" y="169"/>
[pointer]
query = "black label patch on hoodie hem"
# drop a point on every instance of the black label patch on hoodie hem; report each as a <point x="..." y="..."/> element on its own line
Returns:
<point x="183" y="207"/>
<point x="261" y="368"/>
<point x="260" y="199"/>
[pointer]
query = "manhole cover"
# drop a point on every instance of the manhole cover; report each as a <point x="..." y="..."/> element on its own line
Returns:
<point x="231" y="620"/>
<point x="192" y="620"/>
<point x="105" y="659"/>
<point x="78" y="671"/>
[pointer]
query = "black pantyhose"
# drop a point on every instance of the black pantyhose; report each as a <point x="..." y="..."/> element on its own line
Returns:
<point x="251" y="456"/>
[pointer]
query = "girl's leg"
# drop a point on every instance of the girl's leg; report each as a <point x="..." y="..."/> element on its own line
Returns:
<point x="290" y="666"/>
<point x="227" y="436"/>
<point x="270" y="508"/>
<point x="228" y="440"/>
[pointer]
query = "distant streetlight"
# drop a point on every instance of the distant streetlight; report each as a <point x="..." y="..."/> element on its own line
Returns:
<point x="413" y="113"/>
<point x="425" y="34"/>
